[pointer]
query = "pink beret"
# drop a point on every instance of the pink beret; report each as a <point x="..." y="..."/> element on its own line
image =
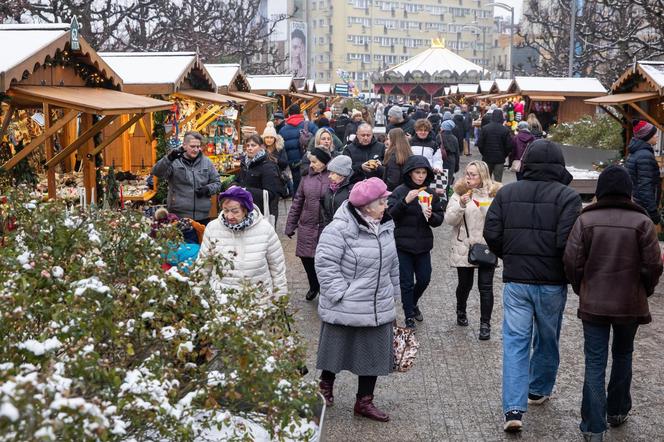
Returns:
<point x="368" y="191"/>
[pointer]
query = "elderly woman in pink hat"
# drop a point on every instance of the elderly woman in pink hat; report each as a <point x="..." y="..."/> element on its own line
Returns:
<point x="358" y="271"/>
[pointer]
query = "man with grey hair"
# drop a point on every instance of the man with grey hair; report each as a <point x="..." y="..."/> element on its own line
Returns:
<point x="367" y="154"/>
<point x="396" y="119"/>
<point x="192" y="179"/>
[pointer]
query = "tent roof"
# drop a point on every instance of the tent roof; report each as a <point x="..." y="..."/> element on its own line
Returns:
<point x="271" y="83"/>
<point x="573" y="85"/>
<point x="27" y="46"/>
<point x="166" y="69"/>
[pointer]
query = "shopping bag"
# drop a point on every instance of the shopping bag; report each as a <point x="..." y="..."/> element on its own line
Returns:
<point x="266" y="208"/>
<point x="405" y="347"/>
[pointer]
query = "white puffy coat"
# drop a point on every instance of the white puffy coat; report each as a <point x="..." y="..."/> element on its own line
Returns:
<point x="461" y="239"/>
<point x="255" y="252"/>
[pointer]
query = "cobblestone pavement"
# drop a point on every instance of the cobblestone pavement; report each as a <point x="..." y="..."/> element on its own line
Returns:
<point x="453" y="393"/>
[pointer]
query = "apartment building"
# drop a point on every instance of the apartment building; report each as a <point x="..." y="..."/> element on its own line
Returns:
<point x="359" y="37"/>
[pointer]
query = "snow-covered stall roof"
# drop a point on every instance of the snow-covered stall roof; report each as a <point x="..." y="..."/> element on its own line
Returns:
<point x="156" y="72"/>
<point x="228" y="77"/>
<point x="311" y="86"/>
<point x="503" y="84"/>
<point x="651" y="71"/>
<point x="271" y="83"/>
<point x="324" y="88"/>
<point x="558" y="85"/>
<point x="468" y="88"/>
<point x="485" y="86"/>
<point x="25" y="46"/>
<point x="655" y="71"/>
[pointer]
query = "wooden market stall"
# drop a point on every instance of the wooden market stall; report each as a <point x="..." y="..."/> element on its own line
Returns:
<point x="638" y="93"/>
<point x="181" y="79"/>
<point x="50" y="70"/>
<point x="281" y="87"/>
<point x="556" y="100"/>
<point x="230" y="80"/>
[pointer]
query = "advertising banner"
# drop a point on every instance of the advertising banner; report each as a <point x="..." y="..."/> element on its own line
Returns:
<point x="298" y="49"/>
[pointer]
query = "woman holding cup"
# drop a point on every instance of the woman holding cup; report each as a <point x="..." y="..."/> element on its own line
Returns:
<point x="465" y="213"/>
<point x="415" y="209"/>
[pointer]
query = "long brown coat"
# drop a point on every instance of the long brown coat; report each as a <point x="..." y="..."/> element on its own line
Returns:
<point x="613" y="261"/>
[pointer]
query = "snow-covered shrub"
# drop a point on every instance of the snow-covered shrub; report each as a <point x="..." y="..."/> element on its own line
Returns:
<point x="599" y="132"/>
<point x="98" y="343"/>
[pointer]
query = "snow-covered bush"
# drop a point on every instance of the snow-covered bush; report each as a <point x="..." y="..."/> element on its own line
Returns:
<point x="98" y="343"/>
<point x="598" y="132"/>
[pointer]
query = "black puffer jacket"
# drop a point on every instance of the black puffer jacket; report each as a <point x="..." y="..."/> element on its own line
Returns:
<point x="435" y="119"/>
<point x="459" y="130"/>
<point x="495" y="140"/>
<point x="529" y="221"/>
<point x="644" y="172"/>
<point x="393" y="174"/>
<point x="412" y="231"/>
<point x="331" y="201"/>
<point x="359" y="154"/>
<point x="262" y="174"/>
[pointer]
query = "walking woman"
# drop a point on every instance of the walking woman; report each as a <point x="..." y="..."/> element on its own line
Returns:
<point x="396" y="154"/>
<point x="358" y="270"/>
<point x="465" y="213"/>
<point x="304" y="215"/>
<point x="258" y="173"/>
<point x="274" y="146"/>
<point x="341" y="171"/>
<point x="535" y="126"/>
<point x="413" y="235"/>
<point x="324" y="139"/>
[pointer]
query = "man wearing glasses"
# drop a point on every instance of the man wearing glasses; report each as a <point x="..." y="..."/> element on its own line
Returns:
<point x="192" y="179"/>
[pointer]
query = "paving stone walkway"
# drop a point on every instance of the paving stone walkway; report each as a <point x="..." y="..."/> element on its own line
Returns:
<point x="453" y="393"/>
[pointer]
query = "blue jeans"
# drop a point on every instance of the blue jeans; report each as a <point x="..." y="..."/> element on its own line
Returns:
<point x="414" y="278"/>
<point x="596" y="404"/>
<point x="531" y="330"/>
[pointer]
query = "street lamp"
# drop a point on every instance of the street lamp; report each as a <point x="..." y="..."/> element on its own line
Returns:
<point x="510" y="9"/>
<point x="483" y="30"/>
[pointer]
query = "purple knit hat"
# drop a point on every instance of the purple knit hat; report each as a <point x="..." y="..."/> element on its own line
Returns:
<point x="240" y="195"/>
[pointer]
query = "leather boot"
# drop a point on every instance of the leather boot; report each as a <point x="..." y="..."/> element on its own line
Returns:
<point x="326" y="391"/>
<point x="364" y="407"/>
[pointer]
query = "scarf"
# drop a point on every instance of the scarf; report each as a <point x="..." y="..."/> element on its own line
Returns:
<point x="246" y="222"/>
<point x="335" y="186"/>
<point x="249" y="161"/>
<point x="374" y="224"/>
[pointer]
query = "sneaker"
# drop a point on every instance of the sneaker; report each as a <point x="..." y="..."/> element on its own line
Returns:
<point x="536" y="399"/>
<point x="513" y="421"/>
<point x="462" y="319"/>
<point x="617" y="420"/>
<point x="418" y="314"/>
<point x="410" y="323"/>
<point x="485" y="332"/>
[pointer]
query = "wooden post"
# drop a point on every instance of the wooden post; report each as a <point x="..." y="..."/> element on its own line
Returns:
<point x="89" y="170"/>
<point x="48" y="144"/>
<point x="125" y="141"/>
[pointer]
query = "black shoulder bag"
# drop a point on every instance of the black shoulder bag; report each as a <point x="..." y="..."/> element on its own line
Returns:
<point x="479" y="254"/>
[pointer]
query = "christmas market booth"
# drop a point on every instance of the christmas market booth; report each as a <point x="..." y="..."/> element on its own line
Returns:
<point x="555" y="100"/>
<point x="281" y="87"/>
<point x="181" y="79"/>
<point x="425" y="75"/>
<point x="230" y="80"/>
<point x="637" y="94"/>
<point x="57" y="92"/>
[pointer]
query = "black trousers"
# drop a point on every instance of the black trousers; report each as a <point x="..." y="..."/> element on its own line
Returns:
<point x="309" y="267"/>
<point x="485" y="286"/>
<point x="365" y="384"/>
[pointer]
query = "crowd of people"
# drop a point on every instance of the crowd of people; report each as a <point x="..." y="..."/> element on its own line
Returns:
<point x="364" y="208"/>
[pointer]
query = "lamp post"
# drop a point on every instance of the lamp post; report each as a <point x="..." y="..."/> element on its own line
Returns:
<point x="483" y="30"/>
<point x="510" y="9"/>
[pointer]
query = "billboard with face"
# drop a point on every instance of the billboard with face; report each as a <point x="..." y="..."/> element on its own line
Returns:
<point x="298" y="49"/>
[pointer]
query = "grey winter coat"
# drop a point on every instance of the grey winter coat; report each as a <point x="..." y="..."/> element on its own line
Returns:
<point x="304" y="213"/>
<point x="184" y="177"/>
<point x="358" y="271"/>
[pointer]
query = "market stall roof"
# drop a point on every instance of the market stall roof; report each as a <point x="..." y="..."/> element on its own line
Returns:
<point x="485" y="86"/>
<point x="651" y="71"/>
<point x="210" y="97"/>
<point x="302" y="96"/>
<point x="90" y="100"/>
<point x="250" y="96"/>
<point x="226" y="75"/>
<point x="558" y="86"/>
<point x="152" y="73"/>
<point x="324" y="88"/>
<point x="503" y="84"/>
<point x="468" y="88"/>
<point x="26" y="47"/>
<point x="547" y="97"/>
<point x="279" y="84"/>
<point x="617" y="99"/>
<point x="311" y="86"/>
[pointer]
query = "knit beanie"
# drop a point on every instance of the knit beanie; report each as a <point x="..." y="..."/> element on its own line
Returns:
<point x="523" y="125"/>
<point x="240" y="195"/>
<point x="270" y="131"/>
<point x="322" y="155"/>
<point x="643" y="130"/>
<point x="395" y="112"/>
<point x="323" y="122"/>
<point x="341" y="165"/>
<point x="448" y="125"/>
<point x="294" y="109"/>
<point x="447" y="116"/>
<point x="355" y="113"/>
<point x="614" y="180"/>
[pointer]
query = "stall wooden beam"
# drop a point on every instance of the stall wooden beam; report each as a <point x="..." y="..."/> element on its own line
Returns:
<point x="646" y="116"/>
<point x="110" y="138"/>
<point x="85" y="145"/>
<point x="211" y="112"/>
<point x="89" y="132"/>
<point x="608" y="112"/>
<point x="13" y="161"/>
<point x="7" y="118"/>
<point x="48" y="144"/>
<point x="148" y="133"/>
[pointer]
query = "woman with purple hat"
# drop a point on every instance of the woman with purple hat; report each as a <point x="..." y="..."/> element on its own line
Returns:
<point x="243" y="234"/>
<point x="358" y="272"/>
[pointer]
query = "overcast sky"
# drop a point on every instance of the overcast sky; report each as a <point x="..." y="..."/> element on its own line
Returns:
<point x="517" y="9"/>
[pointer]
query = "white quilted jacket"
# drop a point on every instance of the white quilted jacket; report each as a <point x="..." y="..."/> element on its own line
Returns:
<point x="461" y="239"/>
<point x="255" y="252"/>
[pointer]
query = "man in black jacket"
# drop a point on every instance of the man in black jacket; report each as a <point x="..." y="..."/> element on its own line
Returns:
<point x="495" y="143"/>
<point x="367" y="154"/>
<point x="527" y="225"/>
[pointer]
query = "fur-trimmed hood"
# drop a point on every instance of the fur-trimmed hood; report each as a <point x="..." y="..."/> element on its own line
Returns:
<point x="461" y="188"/>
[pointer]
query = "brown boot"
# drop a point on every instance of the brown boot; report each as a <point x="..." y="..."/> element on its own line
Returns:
<point x="326" y="391"/>
<point x="364" y="407"/>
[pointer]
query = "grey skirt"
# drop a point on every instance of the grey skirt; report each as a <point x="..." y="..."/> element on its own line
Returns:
<point x="364" y="351"/>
